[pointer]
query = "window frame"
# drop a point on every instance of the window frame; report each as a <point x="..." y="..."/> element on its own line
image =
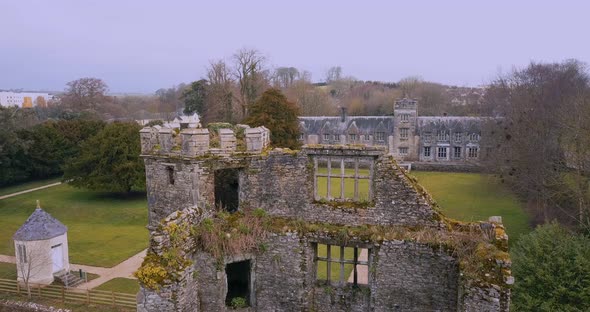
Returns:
<point x="403" y="150"/>
<point x="472" y="152"/>
<point x="380" y="136"/>
<point x="429" y="149"/>
<point x="326" y="137"/>
<point x="439" y="150"/>
<point x="341" y="261"/>
<point x="342" y="176"/>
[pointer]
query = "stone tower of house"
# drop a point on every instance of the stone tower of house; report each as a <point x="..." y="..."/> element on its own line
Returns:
<point x="405" y="137"/>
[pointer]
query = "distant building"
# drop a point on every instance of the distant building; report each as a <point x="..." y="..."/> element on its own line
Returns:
<point x="41" y="247"/>
<point x="407" y="136"/>
<point x="24" y="99"/>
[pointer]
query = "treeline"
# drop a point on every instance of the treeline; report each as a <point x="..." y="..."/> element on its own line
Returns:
<point x="231" y="85"/>
<point x="87" y="152"/>
<point x="32" y="149"/>
<point x="541" y="145"/>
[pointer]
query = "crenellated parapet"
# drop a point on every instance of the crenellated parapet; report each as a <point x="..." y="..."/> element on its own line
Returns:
<point x="193" y="142"/>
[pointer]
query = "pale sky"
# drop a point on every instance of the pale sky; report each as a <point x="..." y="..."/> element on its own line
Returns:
<point x="141" y="46"/>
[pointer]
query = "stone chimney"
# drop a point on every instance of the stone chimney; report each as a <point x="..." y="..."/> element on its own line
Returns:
<point x="342" y="114"/>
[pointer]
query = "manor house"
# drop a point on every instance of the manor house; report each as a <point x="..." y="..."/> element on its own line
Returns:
<point x="405" y="135"/>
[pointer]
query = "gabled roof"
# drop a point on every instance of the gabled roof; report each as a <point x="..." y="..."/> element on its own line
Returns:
<point x="39" y="226"/>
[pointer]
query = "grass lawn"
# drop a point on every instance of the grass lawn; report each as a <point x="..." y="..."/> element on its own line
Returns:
<point x="8" y="271"/>
<point x="103" y="229"/>
<point x="26" y="185"/>
<point x="120" y="284"/>
<point x="475" y="197"/>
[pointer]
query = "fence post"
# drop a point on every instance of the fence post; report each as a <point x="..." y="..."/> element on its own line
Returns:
<point x="63" y="295"/>
<point x="87" y="296"/>
<point x="39" y="291"/>
<point x="113" y="293"/>
<point x="17" y="287"/>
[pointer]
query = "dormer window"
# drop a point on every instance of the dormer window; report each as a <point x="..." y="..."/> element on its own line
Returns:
<point x="380" y="136"/>
<point x="326" y="137"/>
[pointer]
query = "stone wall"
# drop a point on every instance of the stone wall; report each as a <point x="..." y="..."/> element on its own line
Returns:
<point x="405" y="275"/>
<point x="414" y="277"/>
<point x="282" y="183"/>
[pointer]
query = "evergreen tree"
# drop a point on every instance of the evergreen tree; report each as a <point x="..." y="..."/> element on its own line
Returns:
<point x="275" y="112"/>
<point x="194" y="97"/>
<point x="109" y="161"/>
<point x="552" y="271"/>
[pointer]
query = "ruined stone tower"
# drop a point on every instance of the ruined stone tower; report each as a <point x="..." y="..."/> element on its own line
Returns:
<point x="235" y="224"/>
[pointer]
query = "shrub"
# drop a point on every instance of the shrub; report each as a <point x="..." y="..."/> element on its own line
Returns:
<point x="238" y="303"/>
<point x="552" y="271"/>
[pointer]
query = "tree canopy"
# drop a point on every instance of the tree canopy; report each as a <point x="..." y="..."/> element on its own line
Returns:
<point x="109" y="161"/>
<point x="552" y="271"/>
<point x="275" y="112"/>
<point x="194" y="97"/>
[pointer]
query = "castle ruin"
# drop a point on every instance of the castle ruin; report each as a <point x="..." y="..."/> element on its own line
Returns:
<point x="235" y="224"/>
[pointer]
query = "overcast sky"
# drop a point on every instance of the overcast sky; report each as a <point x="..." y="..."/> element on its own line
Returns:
<point x="141" y="46"/>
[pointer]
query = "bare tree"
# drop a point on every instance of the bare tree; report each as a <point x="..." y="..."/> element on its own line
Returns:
<point x="334" y="73"/>
<point x="85" y="93"/>
<point x="31" y="262"/>
<point x="285" y="76"/>
<point x="250" y="75"/>
<point x="540" y="145"/>
<point x="219" y="102"/>
<point x="410" y="85"/>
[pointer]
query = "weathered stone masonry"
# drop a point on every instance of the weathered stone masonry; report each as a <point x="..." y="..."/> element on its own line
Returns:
<point x="413" y="262"/>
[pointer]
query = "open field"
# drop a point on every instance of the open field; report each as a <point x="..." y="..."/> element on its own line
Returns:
<point x="26" y="186"/>
<point x="475" y="197"/>
<point x="120" y="284"/>
<point x="103" y="229"/>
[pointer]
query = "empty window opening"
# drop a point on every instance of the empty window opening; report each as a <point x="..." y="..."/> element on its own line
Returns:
<point x="472" y="152"/>
<point x="341" y="265"/>
<point x="442" y="152"/>
<point x="238" y="281"/>
<point x="339" y="178"/>
<point x="227" y="188"/>
<point x="170" y="172"/>
<point x="426" y="151"/>
<point x="457" y="152"/>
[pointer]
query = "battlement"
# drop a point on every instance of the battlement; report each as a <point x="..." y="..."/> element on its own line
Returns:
<point x="193" y="142"/>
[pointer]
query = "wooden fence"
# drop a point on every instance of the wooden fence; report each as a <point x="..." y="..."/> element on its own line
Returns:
<point x="71" y="295"/>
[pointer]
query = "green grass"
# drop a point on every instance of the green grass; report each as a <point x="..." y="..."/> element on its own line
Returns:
<point x="120" y="284"/>
<point x="26" y="185"/>
<point x="8" y="271"/>
<point x="475" y="197"/>
<point x="103" y="229"/>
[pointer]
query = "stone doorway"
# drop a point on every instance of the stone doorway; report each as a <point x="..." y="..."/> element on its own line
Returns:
<point x="238" y="281"/>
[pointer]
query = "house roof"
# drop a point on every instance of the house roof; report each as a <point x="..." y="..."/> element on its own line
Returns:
<point x="39" y="226"/>
<point x="330" y="124"/>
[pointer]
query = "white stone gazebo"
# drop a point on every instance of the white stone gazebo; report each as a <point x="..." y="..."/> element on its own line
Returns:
<point x="41" y="247"/>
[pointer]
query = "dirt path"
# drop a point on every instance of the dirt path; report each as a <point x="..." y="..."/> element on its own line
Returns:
<point x="30" y="190"/>
<point x="124" y="269"/>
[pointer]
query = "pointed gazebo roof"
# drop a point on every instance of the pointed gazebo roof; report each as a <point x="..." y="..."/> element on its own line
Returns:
<point x="39" y="226"/>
